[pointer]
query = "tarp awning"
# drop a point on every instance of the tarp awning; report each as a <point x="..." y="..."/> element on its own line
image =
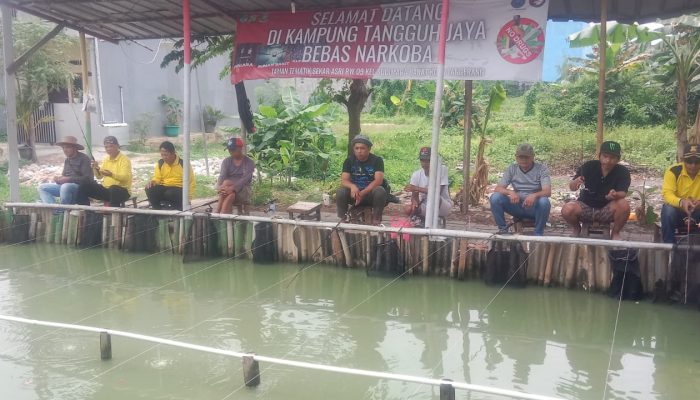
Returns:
<point x="136" y="19"/>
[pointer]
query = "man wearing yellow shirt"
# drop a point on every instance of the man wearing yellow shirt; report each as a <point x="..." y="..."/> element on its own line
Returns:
<point x="681" y="190"/>
<point x="166" y="186"/>
<point x="116" y="175"/>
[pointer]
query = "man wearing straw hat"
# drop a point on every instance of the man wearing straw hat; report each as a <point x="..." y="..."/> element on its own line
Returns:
<point x="76" y="171"/>
<point x="116" y="175"/>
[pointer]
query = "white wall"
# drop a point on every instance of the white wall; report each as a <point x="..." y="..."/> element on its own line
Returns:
<point x="70" y="120"/>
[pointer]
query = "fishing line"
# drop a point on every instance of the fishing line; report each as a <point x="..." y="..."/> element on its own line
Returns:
<point x="316" y="251"/>
<point x="208" y="318"/>
<point x="617" y="320"/>
<point x="144" y="294"/>
<point x="481" y="313"/>
<point x="73" y="252"/>
<point x="116" y="267"/>
<point x="343" y="315"/>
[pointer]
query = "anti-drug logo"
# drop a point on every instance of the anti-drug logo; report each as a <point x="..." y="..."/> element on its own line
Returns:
<point x="520" y="40"/>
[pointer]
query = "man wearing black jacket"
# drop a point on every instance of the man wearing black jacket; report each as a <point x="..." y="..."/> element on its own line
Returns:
<point x="76" y="171"/>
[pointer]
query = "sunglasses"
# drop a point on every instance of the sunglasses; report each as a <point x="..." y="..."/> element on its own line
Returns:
<point x="692" y="161"/>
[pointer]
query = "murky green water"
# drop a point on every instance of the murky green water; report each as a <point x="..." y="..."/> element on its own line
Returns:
<point x="545" y="341"/>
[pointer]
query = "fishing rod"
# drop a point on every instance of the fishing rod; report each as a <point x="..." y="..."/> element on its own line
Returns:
<point x="88" y="143"/>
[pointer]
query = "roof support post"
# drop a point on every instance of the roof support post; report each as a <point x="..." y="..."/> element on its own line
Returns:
<point x="86" y="91"/>
<point x="24" y="57"/>
<point x="10" y="102"/>
<point x="602" y="53"/>
<point x="431" y="210"/>
<point x="186" y="105"/>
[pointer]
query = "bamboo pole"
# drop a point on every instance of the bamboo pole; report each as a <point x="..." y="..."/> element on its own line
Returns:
<point x="454" y="258"/>
<point x="346" y="250"/>
<point x="571" y="266"/>
<point x="467" y="154"/>
<point x="602" y="47"/>
<point x="86" y="91"/>
<point x="425" y="249"/>
<point x="481" y="236"/>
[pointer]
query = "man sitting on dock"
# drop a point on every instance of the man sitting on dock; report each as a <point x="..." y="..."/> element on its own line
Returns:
<point x="234" y="184"/>
<point x="165" y="189"/>
<point x="116" y="175"/>
<point x="418" y="187"/>
<point x="529" y="197"/>
<point x="681" y="191"/>
<point x="76" y="171"/>
<point x="603" y="184"/>
<point x="362" y="181"/>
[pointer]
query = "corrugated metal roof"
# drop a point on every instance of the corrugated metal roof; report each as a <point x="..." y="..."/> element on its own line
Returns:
<point x="145" y="19"/>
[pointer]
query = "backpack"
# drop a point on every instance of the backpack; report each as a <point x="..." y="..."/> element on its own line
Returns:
<point x="388" y="260"/>
<point x="625" y="267"/>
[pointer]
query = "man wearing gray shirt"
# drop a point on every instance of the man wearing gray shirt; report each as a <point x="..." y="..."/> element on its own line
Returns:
<point x="529" y="196"/>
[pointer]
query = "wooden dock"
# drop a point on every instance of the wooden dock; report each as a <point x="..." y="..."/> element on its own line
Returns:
<point x="555" y="263"/>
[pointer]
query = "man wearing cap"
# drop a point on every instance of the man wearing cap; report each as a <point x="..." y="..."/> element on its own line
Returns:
<point x="235" y="178"/>
<point x="116" y="175"/>
<point x="603" y="185"/>
<point x="166" y="185"/>
<point x="529" y="197"/>
<point x="418" y="187"/>
<point x="362" y="180"/>
<point x="76" y="171"/>
<point x="681" y="191"/>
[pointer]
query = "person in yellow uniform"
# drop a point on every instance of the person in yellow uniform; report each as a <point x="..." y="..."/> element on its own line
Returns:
<point x="116" y="175"/>
<point x="165" y="189"/>
<point x="681" y="191"/>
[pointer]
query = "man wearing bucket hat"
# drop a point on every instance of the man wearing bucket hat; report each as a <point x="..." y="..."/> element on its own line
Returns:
<point x="418" y="187"/>
<point x="362" y="180"/>
<point x="681" y="191"/>
<point x="115" y="172"/>
<point x="529" y="197"/>
<point x="235" y="178"/>
<point x="603" y="185"/>
<point x="76" y="171"/>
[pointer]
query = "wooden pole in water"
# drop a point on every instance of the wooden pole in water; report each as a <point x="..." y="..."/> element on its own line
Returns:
<point x="447" y="391"/>
<point x="463" y="258"/>
<point x="105" y="346"/>
<point x="425" y="250"/>
<point x="251" y="371"/>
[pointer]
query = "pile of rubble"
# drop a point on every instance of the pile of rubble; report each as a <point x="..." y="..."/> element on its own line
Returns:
<point x="35" y="174"/>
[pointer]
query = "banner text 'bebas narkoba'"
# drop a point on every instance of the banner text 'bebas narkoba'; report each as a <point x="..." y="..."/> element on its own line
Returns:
<point x="486" y="40"/>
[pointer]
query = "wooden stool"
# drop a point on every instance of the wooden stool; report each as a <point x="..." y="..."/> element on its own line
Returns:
<point x="360" y="215"/>
<point x="519" y="225"/>
<point x="601" y="229"/>
<point x="134" y="202"/>
<point x="306" y="210"/>
<point x="242" y="208"/>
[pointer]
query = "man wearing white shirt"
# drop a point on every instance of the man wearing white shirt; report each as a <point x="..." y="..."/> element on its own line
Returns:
<point x="419" y="188"/>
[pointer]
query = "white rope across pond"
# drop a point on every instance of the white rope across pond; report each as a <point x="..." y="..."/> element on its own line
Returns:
<point x="368" y="228"/>
<point x="272" y="360"/>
